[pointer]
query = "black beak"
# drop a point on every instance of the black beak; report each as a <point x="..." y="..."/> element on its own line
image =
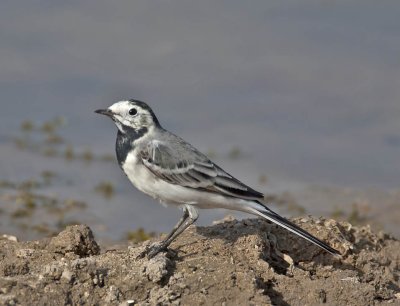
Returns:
<point x="106" y="112"/>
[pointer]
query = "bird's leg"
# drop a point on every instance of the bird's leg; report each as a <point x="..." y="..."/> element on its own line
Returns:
<point x="179" y="224"/>
<point x="193" y="215"/>
<point x="190" y="215"/>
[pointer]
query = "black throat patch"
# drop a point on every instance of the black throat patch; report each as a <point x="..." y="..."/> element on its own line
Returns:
<point x="124" y="143"/>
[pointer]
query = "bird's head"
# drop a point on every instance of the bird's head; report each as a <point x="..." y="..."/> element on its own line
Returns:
<point x="131" y="115"/>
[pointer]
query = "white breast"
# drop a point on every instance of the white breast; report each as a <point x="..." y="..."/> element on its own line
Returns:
<point x="139" y="175"/>
<point x="144" y="180"/>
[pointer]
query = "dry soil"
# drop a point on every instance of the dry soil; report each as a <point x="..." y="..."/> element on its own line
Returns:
<point x="248" y="262"/>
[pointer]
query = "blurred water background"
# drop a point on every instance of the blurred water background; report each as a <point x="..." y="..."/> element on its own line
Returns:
<point x="299" y="99"/>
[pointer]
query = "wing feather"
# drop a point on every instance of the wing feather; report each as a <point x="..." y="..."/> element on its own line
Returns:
<point x="184" y="165"/>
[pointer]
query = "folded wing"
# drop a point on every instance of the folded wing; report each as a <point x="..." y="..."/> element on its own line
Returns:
<point x="184" y="165"/>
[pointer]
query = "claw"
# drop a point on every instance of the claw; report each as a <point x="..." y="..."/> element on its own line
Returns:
<point x="142" y="254"/>
<point x="152" y="250"/>
<point x="155" y="250"/>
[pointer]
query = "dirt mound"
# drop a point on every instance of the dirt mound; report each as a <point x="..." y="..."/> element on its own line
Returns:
<point x="249" y="262"/>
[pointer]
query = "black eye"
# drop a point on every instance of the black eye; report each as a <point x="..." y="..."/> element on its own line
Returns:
<point x="133" y="111"/>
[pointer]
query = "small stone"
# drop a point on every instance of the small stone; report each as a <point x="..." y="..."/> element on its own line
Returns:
<point x="113" y="294"/>
<point x="10" y="237"/>
<point x="53" y="270"/>
<point x="354" y="280"/>
<point x="98" y="278"/>
<point x="67" y="275"/>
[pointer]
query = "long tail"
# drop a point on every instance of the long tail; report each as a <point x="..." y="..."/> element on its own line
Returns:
<point x="270" y="215"/>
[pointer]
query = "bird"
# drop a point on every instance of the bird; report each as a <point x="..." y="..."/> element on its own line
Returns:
<point x="172" y="171"/>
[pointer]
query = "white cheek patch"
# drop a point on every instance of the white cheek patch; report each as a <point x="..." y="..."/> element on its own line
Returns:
<point x="120" y="109"/>
<point x="128" y="123"/>
<point x="120" y="122"/>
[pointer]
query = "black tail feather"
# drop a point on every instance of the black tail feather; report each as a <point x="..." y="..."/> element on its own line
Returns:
<point x="277" y="219"/>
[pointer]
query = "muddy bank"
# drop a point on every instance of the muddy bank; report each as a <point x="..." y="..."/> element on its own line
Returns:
<point x="249" y="262"/>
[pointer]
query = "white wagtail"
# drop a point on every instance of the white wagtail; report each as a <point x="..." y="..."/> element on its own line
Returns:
<point x="169" y="169"/>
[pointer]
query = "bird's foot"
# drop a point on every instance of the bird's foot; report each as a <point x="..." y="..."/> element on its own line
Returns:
<point x="153" y="250"/>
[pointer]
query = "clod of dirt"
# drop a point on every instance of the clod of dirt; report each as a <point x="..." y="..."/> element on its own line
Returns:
<point x="248" y="262"/>
<point x="77" y="239"/>
<point x="158" y="267"/>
